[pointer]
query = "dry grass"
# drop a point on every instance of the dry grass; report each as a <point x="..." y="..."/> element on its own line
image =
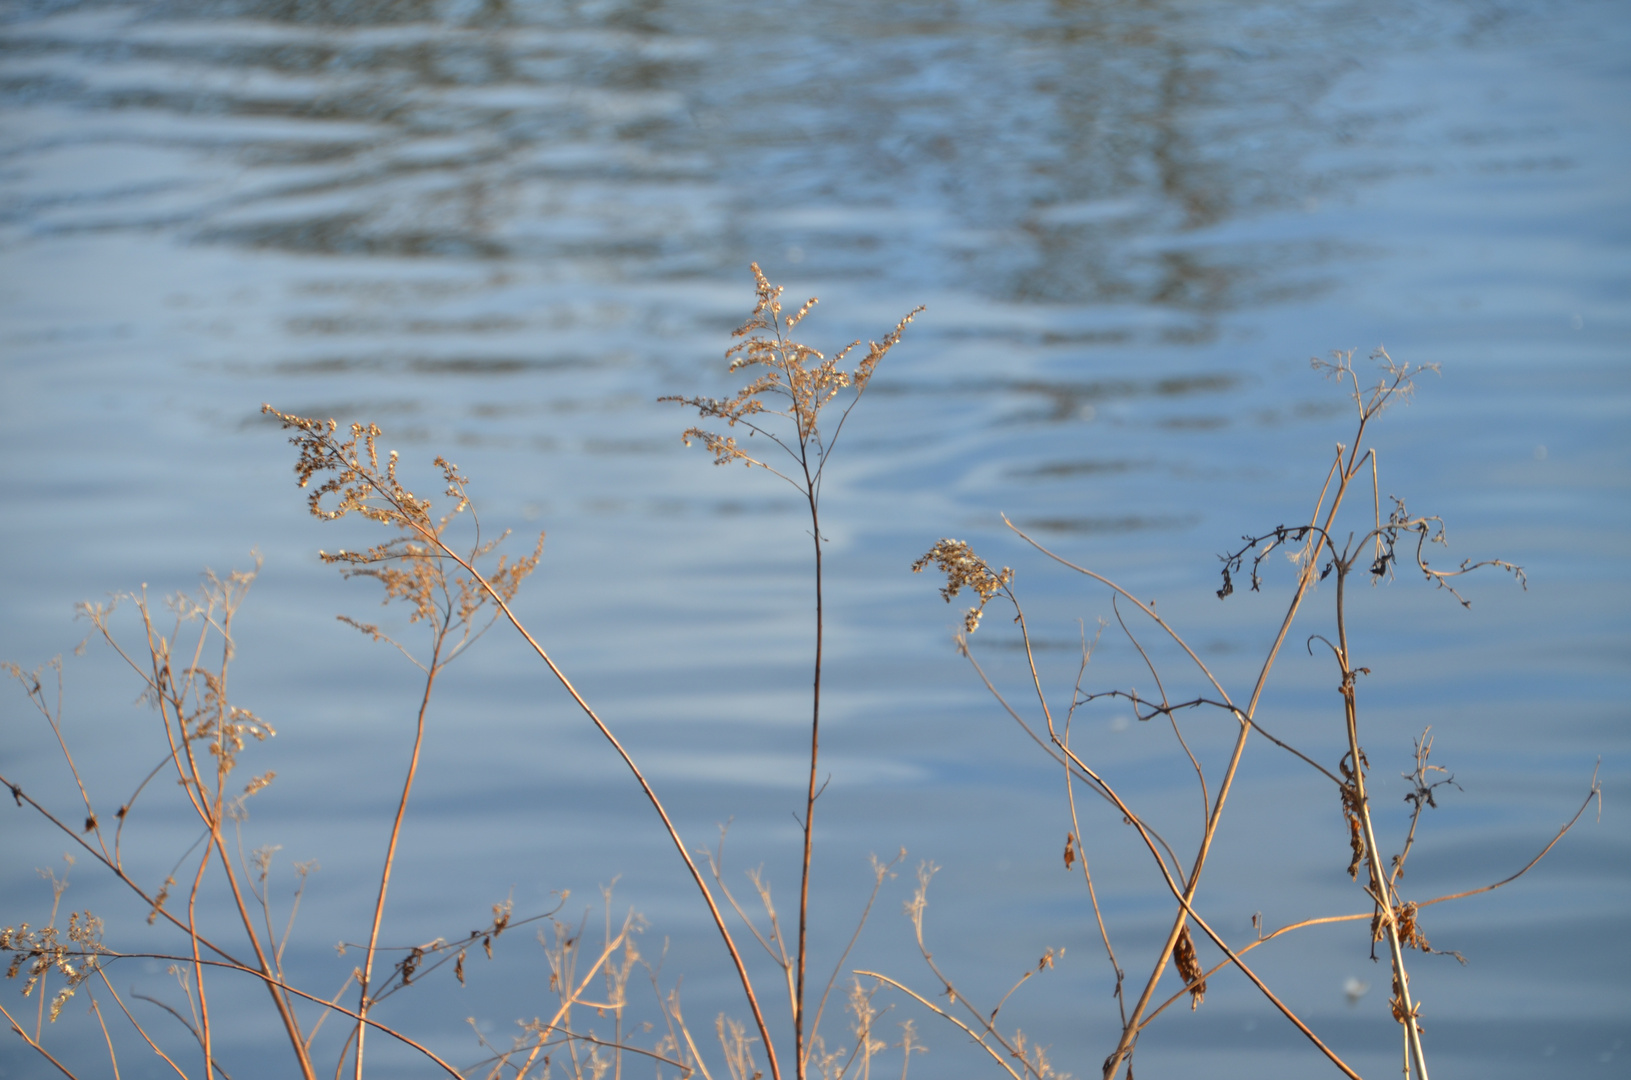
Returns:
<point x="1321" y="548"/>
<point x="449" y="573"/>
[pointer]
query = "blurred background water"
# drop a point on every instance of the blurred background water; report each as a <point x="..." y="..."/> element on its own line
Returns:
<point x="503" y="229"/>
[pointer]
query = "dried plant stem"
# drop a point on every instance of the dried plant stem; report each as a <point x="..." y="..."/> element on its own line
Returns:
<point x="55" y="720"/>
<point x="1264" y="940"/>
<point x="378" y="495"/>
<point x="366" y="982"/>
<point x="807" y="381"/>
<point x="1065" y="758"/>
<point x="113" y="1058"/>
<point x="932" y="1007"/>
<point x="1087" y="876"/>
<point x="171" y="690"/>
<point x="33" y="1042"/>
<point x="1187" y="913"/>
<point x="21" y="796"/>
<point x="1346" y="466"/>
<point x="645" y="787"/>
<point x="204" y="1034"/>
<point x="1380" y="888"/>
<point x="1596" y="792"/>
<point x="211" y="811"/>
<point x="801" y="952"/>
<point x="139" y="1029"/>
<point x="1343" y="473"/>
<point x="279" y="984"/>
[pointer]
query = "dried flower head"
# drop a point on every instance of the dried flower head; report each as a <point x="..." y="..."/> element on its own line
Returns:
<point x="1189" y="968"/>
<point x="964" y="569"/>
<point x="43" y="950"/>
<point x="1397" y="382"/>
<point x="413" y="565"/>
<point x="796" y="382"/>
<point x="1352" y="806"/>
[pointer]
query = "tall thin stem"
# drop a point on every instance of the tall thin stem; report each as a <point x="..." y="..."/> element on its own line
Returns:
<point x="363" y="1002"/>
<point x="204" y="1030"/>
<point x="210" y="810"/>
<point x="645" y="787"/>
<point x="1380" y="892"/>
<point x="810" y="795"/>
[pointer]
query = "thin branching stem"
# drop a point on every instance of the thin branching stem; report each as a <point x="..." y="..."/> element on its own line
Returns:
<point x="807" y="381"/>
<point x="366" y="982"/>
<point x="35" y="1044"/>
<point x="1404" y="1009"/>
<point x="932" y="1007"/>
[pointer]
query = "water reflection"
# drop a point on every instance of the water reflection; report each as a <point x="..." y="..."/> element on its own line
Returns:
<point x="1021" y="150"/>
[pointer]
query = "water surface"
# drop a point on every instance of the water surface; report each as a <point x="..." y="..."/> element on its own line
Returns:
<point x="502" y="230"/>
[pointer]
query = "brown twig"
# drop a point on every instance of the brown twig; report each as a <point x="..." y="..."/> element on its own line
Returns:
<point x="34" y="1043"/>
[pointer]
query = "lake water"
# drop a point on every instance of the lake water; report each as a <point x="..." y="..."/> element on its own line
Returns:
<point x="502" y="230"/>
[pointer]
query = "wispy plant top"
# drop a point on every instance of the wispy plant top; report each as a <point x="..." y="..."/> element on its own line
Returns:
<point x="410" y="564"/>
<point x="964" y="569"/>
<point x="797" y="382"/>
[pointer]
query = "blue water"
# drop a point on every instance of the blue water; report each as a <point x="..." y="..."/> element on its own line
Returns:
<point x="502" y="230"/>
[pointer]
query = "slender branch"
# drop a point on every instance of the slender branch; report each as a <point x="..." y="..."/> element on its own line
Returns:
<point x="184" y="1023"/>
<point x="113" y="1058"/>
<point x="1187" y="912"/>
<point x="366" y="982"/>
<point x="568" y="1036"/>
<point x="1195" y="703"/>
<point x="716" y="868"/>
<point x="204" y="1041"/>
<point x="1068" y="760"/>
<point x="21" y="796"/>
<point x="1304" y="580"/>
<point x="879" y="871"/>
<point x="273" y="981"/>
<point x="801" y="955"/>
<point x="42" y="1051"/>
<point x="139" y="1029"/>
<point x="1404" y="1009"/>
<point x="932" y="1007"/>
<point x="1227" y="961"/>
<point x="1206" y="805"/>
<point x="1081" y="853"/>
<point x="1596" y="792"/>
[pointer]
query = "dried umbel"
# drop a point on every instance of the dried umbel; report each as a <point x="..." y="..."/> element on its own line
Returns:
<point x="964" y="569"/>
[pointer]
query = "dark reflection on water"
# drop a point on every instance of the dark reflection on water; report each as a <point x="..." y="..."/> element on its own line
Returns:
<point x="1023" y="148"/>
<point x="503" y="229"/>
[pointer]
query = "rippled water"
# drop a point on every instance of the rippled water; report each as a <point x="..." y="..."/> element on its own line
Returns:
<point x="502" y="230"/>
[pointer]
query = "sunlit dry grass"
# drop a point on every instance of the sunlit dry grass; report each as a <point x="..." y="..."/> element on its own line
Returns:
<point x="610" y="1007"/>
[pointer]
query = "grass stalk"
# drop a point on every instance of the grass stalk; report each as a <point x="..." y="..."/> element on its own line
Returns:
<point x="366" y="982"/>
